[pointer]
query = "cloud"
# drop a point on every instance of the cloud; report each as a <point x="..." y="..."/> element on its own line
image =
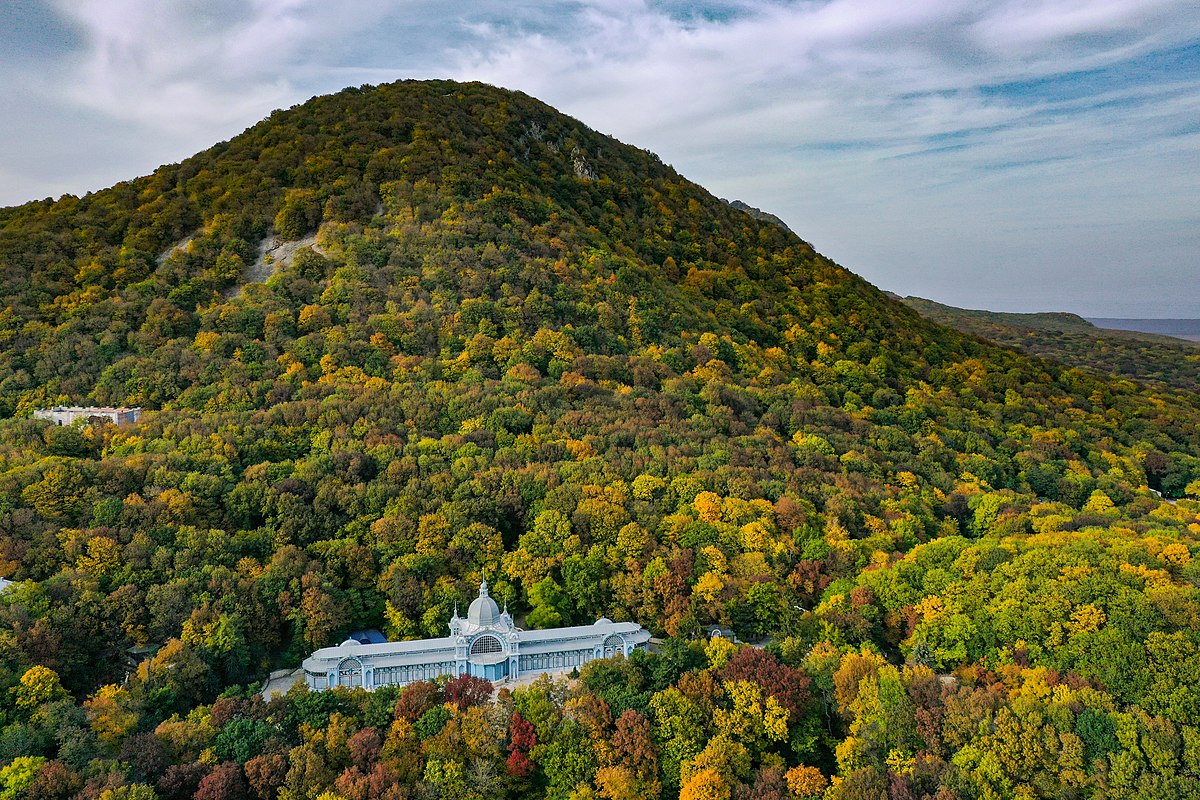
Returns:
<point x="176" y="66"/>
<point x="1032" y="25"/>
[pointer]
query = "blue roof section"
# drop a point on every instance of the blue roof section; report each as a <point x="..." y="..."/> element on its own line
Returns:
<point x="369" y="636"/>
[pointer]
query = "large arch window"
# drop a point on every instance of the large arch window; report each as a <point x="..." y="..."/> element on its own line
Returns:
<point x="486" y="644"/>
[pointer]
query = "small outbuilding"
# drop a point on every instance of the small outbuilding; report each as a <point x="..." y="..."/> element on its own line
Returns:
<point x="67" y="415"/>
<point x="720" y="632"/>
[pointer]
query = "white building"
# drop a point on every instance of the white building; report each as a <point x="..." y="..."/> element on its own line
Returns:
<point x="65" y="415"/>
<point x="5" y="584"/>
<point x="485" y="644"/>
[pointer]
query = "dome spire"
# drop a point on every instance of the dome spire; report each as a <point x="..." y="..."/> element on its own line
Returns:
<point x="483" y="613"/>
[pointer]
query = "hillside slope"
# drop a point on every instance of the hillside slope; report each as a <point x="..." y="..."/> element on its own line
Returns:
<point x="517" y="348"/>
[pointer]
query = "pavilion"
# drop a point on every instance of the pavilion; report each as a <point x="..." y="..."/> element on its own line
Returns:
<point x="485" y="644"/>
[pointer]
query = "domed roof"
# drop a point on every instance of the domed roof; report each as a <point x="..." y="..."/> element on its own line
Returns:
<point x="483" y="613"/>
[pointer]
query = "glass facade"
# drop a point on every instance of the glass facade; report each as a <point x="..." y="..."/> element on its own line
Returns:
<point x="484" y="643"/>
<point x="400" y="676"/>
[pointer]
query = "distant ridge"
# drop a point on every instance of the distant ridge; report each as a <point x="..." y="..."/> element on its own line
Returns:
<point x="1040" y="320"/>
<point x="1075" y="341"/>
<point x="1179" y="328"/>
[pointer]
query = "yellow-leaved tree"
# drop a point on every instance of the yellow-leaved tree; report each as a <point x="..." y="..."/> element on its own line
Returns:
<point x="110" y="714"/>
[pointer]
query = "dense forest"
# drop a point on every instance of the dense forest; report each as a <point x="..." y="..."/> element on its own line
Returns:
<point x="497" y="343"/>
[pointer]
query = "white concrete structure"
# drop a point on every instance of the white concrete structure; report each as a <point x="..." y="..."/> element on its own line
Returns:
<point x="65" y="415"/>
<point x="485" y="643"/>
<point x="5" y="583"/>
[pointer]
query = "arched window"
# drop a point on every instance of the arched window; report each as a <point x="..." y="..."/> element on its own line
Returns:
<point x="612" y="645"/>
<point x="486" y="644"/>
<point x="350" y="673"/>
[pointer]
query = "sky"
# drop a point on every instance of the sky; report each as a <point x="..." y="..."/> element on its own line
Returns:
<point x="1015" y="155"/>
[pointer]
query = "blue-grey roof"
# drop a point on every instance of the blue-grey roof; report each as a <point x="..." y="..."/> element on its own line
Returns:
<point x="433" y="651"/>
<point x="368" y="636"/>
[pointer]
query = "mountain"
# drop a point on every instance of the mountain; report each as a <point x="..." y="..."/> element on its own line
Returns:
<point x="402" y="338"/>
<point x="1146" y="357"/>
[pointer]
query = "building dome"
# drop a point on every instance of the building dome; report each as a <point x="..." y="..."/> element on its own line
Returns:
<point x="483" y="613"/>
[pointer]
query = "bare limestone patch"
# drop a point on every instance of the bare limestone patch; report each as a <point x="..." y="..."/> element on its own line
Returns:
<point x="272" y="254"/>
<point x="178" y="247"/>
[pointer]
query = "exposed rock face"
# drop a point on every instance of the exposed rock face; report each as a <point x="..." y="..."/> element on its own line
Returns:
<point x="759" y="214"/>
<point x="273" y="254"/>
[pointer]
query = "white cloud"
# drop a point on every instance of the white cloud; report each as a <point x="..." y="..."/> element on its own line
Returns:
<point x="1036" y="23"/>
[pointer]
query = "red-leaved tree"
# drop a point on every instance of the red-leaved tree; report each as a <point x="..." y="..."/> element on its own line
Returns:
<point x="522" y="737"/>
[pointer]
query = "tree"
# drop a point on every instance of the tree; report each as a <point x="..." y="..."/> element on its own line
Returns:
<point x="550" y="604"/>
<point x="132" y="791"/>
<point x="851" y="670"/>
<point x="265" y="774"/>
<point x="37" y="686"/>
<point x="18" y="776"/>
<point x="364" y="748"/>
<point x="225" y="782"/>
<point x="1175" y="677"/>
<point x="431" y="722"/>
<point x="181" y="781"/>
<point x="884" y="722"/>
<point x="54" y="781"/>
<point x="111" y="714"/>
<point x="567" y="760"/>
<point x="750" y="719"/>
<point x="806" y="781"/>
<point x="146" y="756"/>
<point x="241" y="740"/>
<point x="60" y="494"/>
<point x="298" y="215"/>
<point x="788" y="685"/>
<point x="632" y="744"/>
<point x="416" y="699"/>
<point x="706" y="784"/>
<point x="522" y="738"/>
<point x="465" y="691"/>
<point x="758" y="614"/>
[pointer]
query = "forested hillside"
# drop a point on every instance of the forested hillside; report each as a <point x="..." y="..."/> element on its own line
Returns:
<point x="520" y="349"/>
<point x="1072" y="340"/>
